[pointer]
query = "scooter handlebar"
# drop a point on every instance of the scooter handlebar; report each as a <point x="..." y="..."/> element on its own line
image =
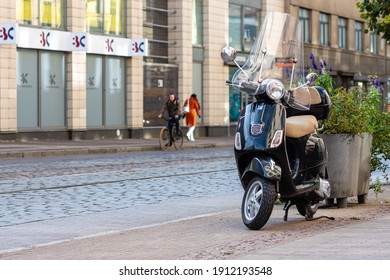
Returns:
<point x="248" y="87"/>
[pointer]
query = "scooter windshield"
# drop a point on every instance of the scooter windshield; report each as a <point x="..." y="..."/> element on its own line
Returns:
<point x="278" y="54"/>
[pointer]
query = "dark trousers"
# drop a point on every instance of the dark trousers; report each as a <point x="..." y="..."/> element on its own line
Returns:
<point x="171" y="123"/>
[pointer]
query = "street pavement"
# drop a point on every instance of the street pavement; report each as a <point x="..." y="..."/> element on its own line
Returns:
<point x="373" y="236"/>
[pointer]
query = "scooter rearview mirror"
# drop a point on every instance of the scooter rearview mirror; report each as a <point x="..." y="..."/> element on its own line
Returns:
<point x="228" y="54"/>
<point x="311" y="78"/>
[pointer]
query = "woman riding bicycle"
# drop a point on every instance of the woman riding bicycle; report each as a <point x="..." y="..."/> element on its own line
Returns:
<point x="172" y="106"/>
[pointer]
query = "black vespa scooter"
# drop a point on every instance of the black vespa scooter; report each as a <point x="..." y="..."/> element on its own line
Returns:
<point x="277" y="150"/>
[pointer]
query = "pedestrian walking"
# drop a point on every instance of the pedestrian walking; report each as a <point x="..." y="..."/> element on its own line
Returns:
<point x="194" y="110"/>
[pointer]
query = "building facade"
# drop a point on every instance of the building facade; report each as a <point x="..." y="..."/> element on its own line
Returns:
<point x="98" y="69"/>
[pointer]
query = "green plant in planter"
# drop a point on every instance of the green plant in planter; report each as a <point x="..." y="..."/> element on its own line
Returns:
<point x="357" y="110"/>
<point x="346" y="116"/>
<point x="378" y="124"/>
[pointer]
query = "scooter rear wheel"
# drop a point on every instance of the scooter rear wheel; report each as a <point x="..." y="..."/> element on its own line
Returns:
<point x="258" y="203"/>
<point x="307" y="210"/>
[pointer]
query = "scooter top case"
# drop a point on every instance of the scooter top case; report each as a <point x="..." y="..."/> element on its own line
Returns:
<point x="320" y="104"/>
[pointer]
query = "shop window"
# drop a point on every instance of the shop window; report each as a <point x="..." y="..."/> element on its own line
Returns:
<point x="46" y="13"/>
<point x="94" y="91"/>
<point x="159" y="81"/>
<point x="114" y="91"/>
<point x="106" y="101"/>
<point x="40" y="89"/>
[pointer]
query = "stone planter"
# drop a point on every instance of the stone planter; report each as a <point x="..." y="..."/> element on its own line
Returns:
<point x="349" y="166"/>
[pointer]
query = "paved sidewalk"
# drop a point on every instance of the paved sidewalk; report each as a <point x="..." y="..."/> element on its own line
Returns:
<point x="366" y="240"/>
<point x="61" y="148"/>
<point x="371" y="239"/>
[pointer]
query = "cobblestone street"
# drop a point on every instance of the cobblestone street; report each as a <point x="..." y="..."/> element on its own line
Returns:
<point x="49" y="190"/>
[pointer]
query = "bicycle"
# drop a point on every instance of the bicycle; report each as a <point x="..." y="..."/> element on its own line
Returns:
<point x="165" y="137"/>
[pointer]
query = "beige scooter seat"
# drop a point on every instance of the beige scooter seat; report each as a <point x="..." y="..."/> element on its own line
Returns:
<point x="298" y="126"/>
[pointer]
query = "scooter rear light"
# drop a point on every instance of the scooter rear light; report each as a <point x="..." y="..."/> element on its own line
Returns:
<point x="277" y="139"/>
<point x="237" y="141"/>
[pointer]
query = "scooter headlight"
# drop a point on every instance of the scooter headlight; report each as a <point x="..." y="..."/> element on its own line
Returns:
<point x="275" y="90"/>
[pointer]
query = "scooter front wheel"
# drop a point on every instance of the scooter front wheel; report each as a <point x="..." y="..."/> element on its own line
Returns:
<point x="258" y="203"/>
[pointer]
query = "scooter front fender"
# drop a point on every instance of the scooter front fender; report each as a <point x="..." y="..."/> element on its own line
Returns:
<point x="264" y="167"/>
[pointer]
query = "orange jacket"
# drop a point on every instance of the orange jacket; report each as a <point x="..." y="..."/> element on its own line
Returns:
<point x="194" y="110"/>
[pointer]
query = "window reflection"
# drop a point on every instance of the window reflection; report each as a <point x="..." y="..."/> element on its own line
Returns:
<point x="235" y="27"/>
<point x="48" y="13"/>
<point x="197" y="33"/>
<point x="105" y="16"/>
<point x="244" y="23"/>
<point x="51" y="13"/>
<point x="251" y="25"/>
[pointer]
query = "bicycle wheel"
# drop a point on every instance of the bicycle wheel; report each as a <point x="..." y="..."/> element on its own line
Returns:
<point x="164" y="139"/>
<point x="178" y="143"/>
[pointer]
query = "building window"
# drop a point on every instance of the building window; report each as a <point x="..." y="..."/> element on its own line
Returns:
<point x="47" y="13"/>
<point x="244" y="24"/>
<point x="324" y="29"/>
<point x="197" y="27"/>
<point x="160" y="76"/>
<point x="40" y="89"/>
<point x="342" y="33"/>
<point x="251" y="26"/>
<point x="105" y="91"/>
<point x="235" y="27"/>
<point x="105" y="17"/>
<point x="305" y="18"/>
<point x="373" y="43"/>
<point x="358" y="36"/>
<point x="156" y="30"/>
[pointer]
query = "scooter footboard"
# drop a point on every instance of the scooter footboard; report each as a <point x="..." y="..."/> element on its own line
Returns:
<point x="264" y="167"/>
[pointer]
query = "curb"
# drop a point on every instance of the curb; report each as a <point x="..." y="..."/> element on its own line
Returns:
<point x="99" y="150"/>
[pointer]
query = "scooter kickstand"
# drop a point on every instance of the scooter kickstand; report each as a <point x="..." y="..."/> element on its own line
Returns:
<point x="286" y="208"/>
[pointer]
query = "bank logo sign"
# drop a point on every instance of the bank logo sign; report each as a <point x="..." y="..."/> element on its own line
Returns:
<point x="36" y="38"/>
<point x="7" y="34"/>
<point x="117" y="46"/>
